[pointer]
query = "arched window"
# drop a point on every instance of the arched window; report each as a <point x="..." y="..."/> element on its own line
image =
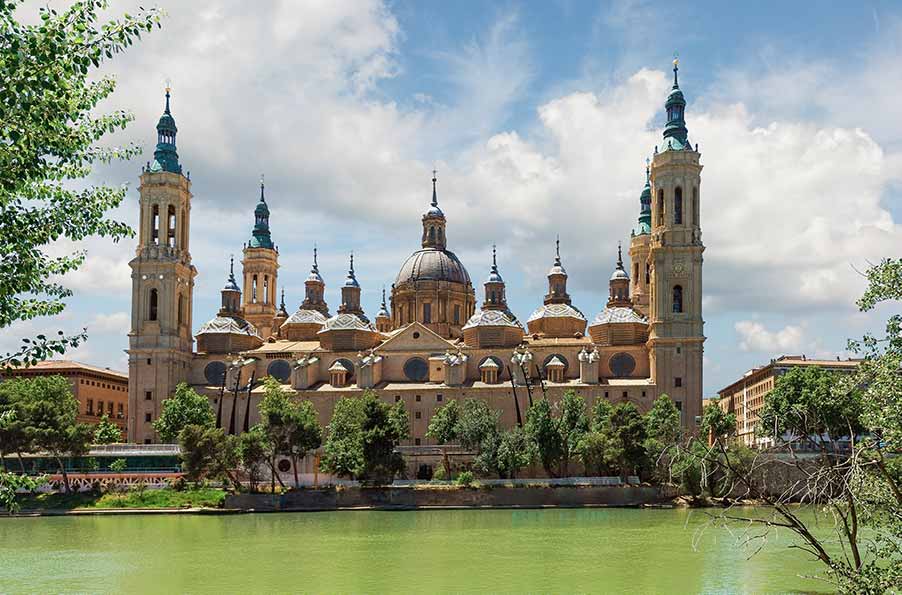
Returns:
<point x="660" y="216"/>
<point x="678" y="206"/>
<point x="647" y="274"/>
<point x="152" y="306"/>
<point x="432" y="235"/>
<point x="183" y="244"/>
<point x="170" y="226"/>
<point x="677" y="298"/>
<point x="181" y="309"/>
<point x="636" y="273"/>
<point x="155" y="225"/>
<point x="695" y="207"/>
<point x="254" y="289"/>
<point x="265" y="289"/>
<point x="427" y="313"/>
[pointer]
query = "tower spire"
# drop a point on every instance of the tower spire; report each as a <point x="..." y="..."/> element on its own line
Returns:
<point x="494" y="260"/>
<point x="676" y="68"/>
<point x="165" y="156"/>
<point x="619" y="256"/>
<point x="315" y="264"/>
<point x="262" y="197"/>
<point x="434" y="193"/>
<point x="675" y="132"/>
<point x="557" y="250"/>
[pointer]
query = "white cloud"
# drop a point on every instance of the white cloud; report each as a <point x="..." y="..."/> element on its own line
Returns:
<point x="116" y="323"/>
<point x="754" y="336"/>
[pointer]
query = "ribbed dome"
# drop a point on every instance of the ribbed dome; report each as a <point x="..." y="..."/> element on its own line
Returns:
<point x="430" y="264"/>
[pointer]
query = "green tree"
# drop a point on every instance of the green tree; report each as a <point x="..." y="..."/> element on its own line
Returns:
<point x="515" y="451"/>
<point x="306" y="434"/>
<point x="572" y="426"/>
<point x="49" y="412"/>
<point x="106" y="432"/>
<point x="663" y="434"/>
<point x="13" y="439"/>
<point x="542" y="430"/>
<point x="363" y="437"/>
<point x="601" y="412"/>
<point x="185" y="408"/>
<point x="443" y="428"/>
<point x="11" y="483"/>
<point x="49" y="138"/>
<point x="478" y="423"/>
<point x="277" y="424"/>
<point x="252" y="455"/>
<point x="716" y="423"/>
<point x="592" y="451"/>
<point x="208" y="454"/>
<point x="118" y="466"/>
<point x="626" y="434"/>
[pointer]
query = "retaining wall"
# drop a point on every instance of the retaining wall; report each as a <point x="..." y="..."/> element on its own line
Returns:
<point x="406" y="498"/>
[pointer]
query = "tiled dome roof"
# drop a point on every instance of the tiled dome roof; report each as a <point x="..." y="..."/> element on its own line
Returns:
<point x="228" y="325"/>
<point x="347" y="321"/>
<point x="431" y="264"/>
<point x="556" y="311"/>
<point x="306" y="317"/>
<point x="618" y="315"/>
<point x="492" y="318"/>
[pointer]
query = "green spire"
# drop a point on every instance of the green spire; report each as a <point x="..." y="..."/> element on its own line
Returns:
<point x="645" y="204"/>
<point x="676" y="136"/>
<point x="166" y="158"/>
<point x="260" y="238"/>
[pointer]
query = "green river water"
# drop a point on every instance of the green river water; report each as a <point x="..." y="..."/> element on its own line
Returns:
<point x="548" y="551"/>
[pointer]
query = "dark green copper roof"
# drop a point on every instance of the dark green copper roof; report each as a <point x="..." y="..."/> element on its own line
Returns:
<point x="260" y="237"/>
<point x="676" y="136"/>
<point x="165" y="157"/>
<point x="645" y="204"/>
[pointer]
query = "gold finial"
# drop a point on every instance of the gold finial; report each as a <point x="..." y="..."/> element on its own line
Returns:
<point x="168" y="84"/>
<point x="676" y="59"/>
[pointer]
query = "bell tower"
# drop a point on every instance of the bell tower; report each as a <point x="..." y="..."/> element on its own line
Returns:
<point x="261" y="269"/>
<point x="676" y="327"/>
<point x="159" y="341"/>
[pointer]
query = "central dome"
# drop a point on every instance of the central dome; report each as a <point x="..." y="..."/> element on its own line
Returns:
<point x="431" y="264"/>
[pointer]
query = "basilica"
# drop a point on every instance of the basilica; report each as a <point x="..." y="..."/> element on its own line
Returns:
<point x="433" y="339"/>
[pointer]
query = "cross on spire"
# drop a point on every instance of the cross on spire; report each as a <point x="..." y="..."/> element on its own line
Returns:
<point x="494" y="260"/>
<point x="676" y="68"/>
<point x="619" y="256"/>
<point x="434" y="194"/>
<point x="262" y="198"/>
<point x="557" y="250"/>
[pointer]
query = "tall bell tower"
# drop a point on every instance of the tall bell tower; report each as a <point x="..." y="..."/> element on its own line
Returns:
<point x="261" y="270"/>
<point x="160" y="342"/>
<point x="676" y="333"/>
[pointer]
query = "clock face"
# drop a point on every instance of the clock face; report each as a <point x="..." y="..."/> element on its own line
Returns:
<point x="678" y="268"/>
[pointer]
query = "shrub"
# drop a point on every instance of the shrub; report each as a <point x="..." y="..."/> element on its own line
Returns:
<point x="439" y="473"/>
<point x="118" y="466"/>
<point x="465" y="478"/>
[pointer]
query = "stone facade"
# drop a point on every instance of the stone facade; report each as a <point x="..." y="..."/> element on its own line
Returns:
<point x="433" y="344"/>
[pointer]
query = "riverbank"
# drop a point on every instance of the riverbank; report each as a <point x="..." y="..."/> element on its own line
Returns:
<point x="163" y="500"/>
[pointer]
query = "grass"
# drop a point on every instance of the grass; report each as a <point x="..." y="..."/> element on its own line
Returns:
<point x="162" y="498"/>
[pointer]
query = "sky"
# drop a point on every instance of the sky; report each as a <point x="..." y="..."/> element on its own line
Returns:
<point x="538" y="117"/>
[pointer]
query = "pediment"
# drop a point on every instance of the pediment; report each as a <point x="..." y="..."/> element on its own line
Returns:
<point x="416" y="337"/>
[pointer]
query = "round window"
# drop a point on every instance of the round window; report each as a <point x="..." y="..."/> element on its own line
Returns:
<point x="214" y="372"/>
<point x="284" y="465"/>
<point x="416" y="369"/>
<point x="416" y="334"/>
<point x="280" y="370"/>
<point x="622" y="364"/>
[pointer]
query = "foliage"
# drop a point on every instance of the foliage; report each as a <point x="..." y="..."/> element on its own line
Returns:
<point x="716" y="422"/>
<point x="478" y="422"/>
<point x="542" y="430"/>
<point x="663" y="432"/>
<point x="515" y="451"/>
<point x="48" y="411"/>
<point x="572" y="425"/>
<point x="440" y="475"/>
<point x="207" y="453"/>
<point x="11" y="483"/>
<point x="106" y="432"/>
<point x="601" y="412"/>
<point x="134" y="498"/>
<point x="363" y="437"/>
<point x="804" y="404"/>
<point x="13" y="438"/>
<point x="465" y="478"/>
<point x="443" y="428"/>
<point x="626" y="434"/>
<point x="592" y="452"/>
<point x="118" y="466"/>
<point x="252" y="455"/>
<point x="185" y="408"/>
<point x="49" y="134"/>
<point x="291" y="427"/>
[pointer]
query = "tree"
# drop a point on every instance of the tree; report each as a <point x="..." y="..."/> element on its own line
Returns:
<point x="515" y="451"/>
<point x="478" y="423"/>
<point x="363" y="437"/>
<point x="49" y="135"/>
<point x="542" y="430"/>
<point x="106" y="432"/>
<point x="852" y="480"/>
<point x="443" y="428"/>
<point x="185" y="408"/>
<point x="118" y="466"/>
<point x="306" y="434"/>
<point x="11" y="484"/>
<point x="276" y="424"/>
<point x="716" y="423"/>
<point x="13" y="438"/>
<point x="572" y="426"/>
<point x="663" y="433"/>
<point x="601" y="412"/>
<point x="626" y="434"/>
<point x="49" y="412"/>
<point x="207" y="453"/>
<point x="592" y="451"/>
<point x="252" y="455"/>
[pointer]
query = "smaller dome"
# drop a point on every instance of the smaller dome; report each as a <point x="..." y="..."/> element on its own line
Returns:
<point x="617" y="315"/>
<point x="492" y="318"/>
<point x="619" y="273"/>
<point x="348" y="322"/>
<point x="262" y="208"/>
<point x="306" y="317"/>
<point x="383" y="312"/>
<point x="434" y="211"/>
<point x="494" y="277"/>
<point x="229" y="325"/>
<point x="557" y="269"/>
<point x="315" y="276"/>
<point x="231" y="285"/>
<point x="556" y="311"/>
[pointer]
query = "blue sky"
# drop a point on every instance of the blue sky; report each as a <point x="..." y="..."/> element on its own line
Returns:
<point x="539" y="117"/>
